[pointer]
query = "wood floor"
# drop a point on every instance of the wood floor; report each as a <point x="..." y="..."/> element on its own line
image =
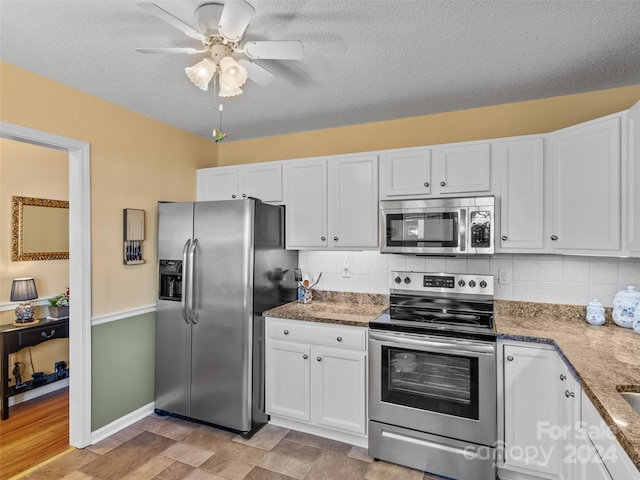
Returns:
<point x="34" y="432"/>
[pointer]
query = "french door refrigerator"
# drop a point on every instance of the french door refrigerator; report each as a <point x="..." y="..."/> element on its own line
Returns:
<point x="221" y="264"/>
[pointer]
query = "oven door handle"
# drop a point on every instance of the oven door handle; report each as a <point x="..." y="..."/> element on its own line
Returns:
<point x="428" y="343"/>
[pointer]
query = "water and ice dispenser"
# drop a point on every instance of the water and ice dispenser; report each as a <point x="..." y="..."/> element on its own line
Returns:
<point x="170" y="280"/>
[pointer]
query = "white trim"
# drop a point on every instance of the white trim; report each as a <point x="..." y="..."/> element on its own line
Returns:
<point x="38" y="392"/>
<point x="132" y="312"/>
<point x="79" y="271"/>
<point x="359" y="440"/>
<point x="12" y="305"/>
<point x="122" y="423"/>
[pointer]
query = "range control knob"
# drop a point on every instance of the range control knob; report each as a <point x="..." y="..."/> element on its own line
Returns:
<point x="407" y="280"/>
<point x="483" y="284"/>
<point x="397" y="279"/>
<point x="472" y="283"/>
<point x="461" y="283"/>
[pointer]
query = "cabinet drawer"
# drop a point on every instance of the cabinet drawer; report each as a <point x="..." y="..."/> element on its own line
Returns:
<point x="37" y="335"/>
<point x="299" y="331"/>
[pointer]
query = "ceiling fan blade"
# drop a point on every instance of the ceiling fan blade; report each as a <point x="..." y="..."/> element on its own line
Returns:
<point x="275" y="50"/>
<point x="258" y="74"/>
<point x="188" y="50"/>
<point x="155" y="10"/>
<point x="235" y="19"/>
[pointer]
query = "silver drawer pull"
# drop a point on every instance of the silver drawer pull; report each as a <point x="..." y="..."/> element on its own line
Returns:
<point x="319" y="359"/>
<point x="305" y="356"/>
<point x="286" y="332"/>
<point x="510" y="358"/>
<point x="563" y="377"/>
<point x="339" y="339"/>
<point x="44" y="335"/>
<point x="568" y="394"/>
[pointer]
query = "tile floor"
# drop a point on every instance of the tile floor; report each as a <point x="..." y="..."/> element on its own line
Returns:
<point x="166" y="448"/>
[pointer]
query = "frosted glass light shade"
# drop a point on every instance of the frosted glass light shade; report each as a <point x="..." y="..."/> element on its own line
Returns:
<point x="232" y="77"/>
<point x="201" y="73"/>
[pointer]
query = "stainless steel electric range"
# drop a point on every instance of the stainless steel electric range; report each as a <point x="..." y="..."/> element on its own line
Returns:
<point x="432" y="376"/>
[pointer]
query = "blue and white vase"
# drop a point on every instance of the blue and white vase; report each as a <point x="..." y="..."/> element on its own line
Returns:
<point x="625" y="303"/>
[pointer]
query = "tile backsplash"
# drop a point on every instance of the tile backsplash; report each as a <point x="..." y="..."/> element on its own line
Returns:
<point x="534" y="278"/>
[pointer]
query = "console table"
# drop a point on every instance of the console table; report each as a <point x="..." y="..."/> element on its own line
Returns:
<point x="15" y="339"/>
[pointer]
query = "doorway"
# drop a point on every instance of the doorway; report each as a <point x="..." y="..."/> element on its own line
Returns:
<point x="79" y="271"/>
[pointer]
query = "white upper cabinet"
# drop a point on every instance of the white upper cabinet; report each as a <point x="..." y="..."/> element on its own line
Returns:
<point x="460" y="168"/>
<point x="353" y="201"/>
<point x="332" y="202"/>
<point x="306" y="200"/>
<point x="405" y="173"/>
<point x="260" y="180"/>
<point x="463" y="168"/>
<point x="633" y="180"/>
<point x="584" y="188"/>
<point x="520" y="163"/>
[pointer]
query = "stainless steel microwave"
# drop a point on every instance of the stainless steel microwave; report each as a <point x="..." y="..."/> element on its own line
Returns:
<point x="443" y="226"/>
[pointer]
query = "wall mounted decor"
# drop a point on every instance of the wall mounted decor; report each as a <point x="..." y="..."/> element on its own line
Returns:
<point x="39" y="229"/>
<point x="133" y="236"/>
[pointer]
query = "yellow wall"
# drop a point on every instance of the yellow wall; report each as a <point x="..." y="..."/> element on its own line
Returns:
<point x="536" y="116"/>
<point x="30" y="171"/>
<point x="135" y="161"/>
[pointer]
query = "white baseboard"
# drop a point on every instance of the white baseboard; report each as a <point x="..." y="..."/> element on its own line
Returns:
<point x="350" y="438"/>
<point x="38" y="392"/>
<point x="122" y="423"/>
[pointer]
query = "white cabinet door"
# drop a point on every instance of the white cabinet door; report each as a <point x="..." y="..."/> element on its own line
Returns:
<point x="218" y="183"/>
<point x="463" y="168"/>
<point x="520" y="163"/>
<point x="353" y="201"/>
<point x="405" y="173"/>
<point x="532" y="409"/>
<point x="584" y="179"/>
<point x="263" y="181"/>
<point x="288" y="376"/>
<point x="339" y="394"/>
<point x="306" y="200"/>
<point x="633" y="180"/>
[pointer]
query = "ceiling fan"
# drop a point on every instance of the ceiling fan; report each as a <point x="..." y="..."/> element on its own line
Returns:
<point x="220" y="28"/>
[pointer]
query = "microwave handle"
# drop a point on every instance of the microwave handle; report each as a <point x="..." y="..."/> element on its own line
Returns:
<point x="462" y="230"/>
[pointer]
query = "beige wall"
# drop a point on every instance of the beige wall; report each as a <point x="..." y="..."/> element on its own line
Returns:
<point x="536" y="116"/>
<point x="135" y="161"/>
<point x="30" y="171"/>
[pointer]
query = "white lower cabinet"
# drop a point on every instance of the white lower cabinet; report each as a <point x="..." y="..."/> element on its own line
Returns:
<point x="316" y="378"/>
<point x="541" y="402"/>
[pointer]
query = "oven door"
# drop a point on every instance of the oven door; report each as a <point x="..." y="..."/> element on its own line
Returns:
<point x="443" y="386"/>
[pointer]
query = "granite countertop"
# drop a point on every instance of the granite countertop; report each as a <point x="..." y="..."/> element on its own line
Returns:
<point x="352" y="309"/>
<point x="606" y="359"/>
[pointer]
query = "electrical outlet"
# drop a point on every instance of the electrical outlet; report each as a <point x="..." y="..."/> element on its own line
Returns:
<point x="504" y="276"/>
<point x="346" y="271"/>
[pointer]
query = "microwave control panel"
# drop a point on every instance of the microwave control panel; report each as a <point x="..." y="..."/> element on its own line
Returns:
<point x="480" y="229"/>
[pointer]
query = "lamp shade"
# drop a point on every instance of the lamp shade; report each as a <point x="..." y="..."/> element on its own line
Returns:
<point x="201" y="73"/>
<point x="23" y="289"/>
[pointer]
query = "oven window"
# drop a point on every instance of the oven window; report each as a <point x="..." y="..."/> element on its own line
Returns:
<point x="423" y="229"/>
<point x="436" y="382"/>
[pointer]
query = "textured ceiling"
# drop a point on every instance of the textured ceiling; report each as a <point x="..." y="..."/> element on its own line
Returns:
<point x="365" y="60"/>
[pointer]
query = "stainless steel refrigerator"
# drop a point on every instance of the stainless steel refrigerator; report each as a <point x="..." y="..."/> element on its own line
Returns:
<point x="220" y="265"/>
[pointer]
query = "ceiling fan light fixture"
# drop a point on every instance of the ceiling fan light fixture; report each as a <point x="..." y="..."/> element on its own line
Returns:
<point x="201" y="73"/>
<point x="232" y="73"/>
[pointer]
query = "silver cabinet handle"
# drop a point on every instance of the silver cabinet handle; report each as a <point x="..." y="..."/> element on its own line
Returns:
<point x="339" y="339"/>
<point x="286" y="332"/>
<point x="554" y="237"/>
<point x="305" y="356"/>
<point x="505" y="238"/>
<point x="563" y="377"/>
<point x="323" y="238"/>
<point x="44" y="335"/>
<point x="233" y="196"/>
<point x="426" y="184"/>
<point x="510" y="358"/>
<point x="244" y="195"/>
<point x="568" y="394"/>
<point x="335" y="239"/>
<point x="442" y="184"/>
<point x="319" y="359"/>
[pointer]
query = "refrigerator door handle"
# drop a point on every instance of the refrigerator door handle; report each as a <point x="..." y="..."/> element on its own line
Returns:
<point x="185" y="283"/>
<point x="193" y="316"/>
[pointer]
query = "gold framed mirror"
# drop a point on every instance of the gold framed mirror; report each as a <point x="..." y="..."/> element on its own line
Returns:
<point x="39" y="229"/>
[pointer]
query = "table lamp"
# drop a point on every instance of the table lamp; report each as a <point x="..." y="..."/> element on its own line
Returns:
<point x="23" y="290"/>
